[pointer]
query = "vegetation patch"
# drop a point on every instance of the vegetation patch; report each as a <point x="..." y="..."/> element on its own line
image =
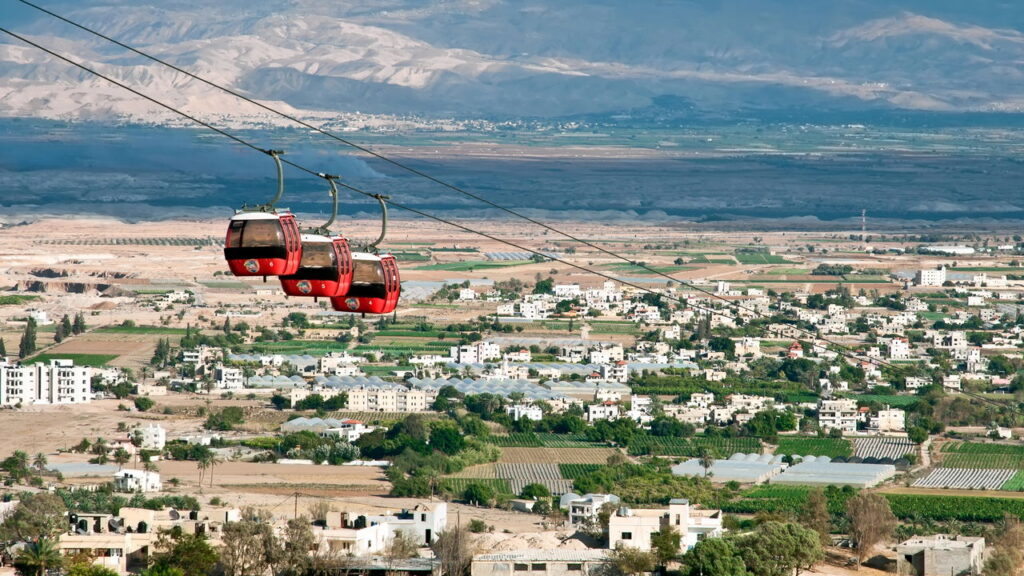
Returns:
<point x="831" y="447"/>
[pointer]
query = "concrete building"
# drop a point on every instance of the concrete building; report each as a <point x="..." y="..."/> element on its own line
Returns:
<point x="59" y="382"/>
<point x="137" y="481"/>
<point x="634" y="527"/>
<point x="228" y="378"/>
<point x="930" y="277"/>
<point x="541" y="563"/>
<point x="617" y="372"/>
<point x="528" y="411"/>
<point x="940" y="555"/>
<point x="154" y="437"/>
<point x="476" y="353"/>
<point x="889" y="420"/>
<point x="367" y="534"/>
<point x="604" y="411"/>
<point x="397" y="399"/>
<point x="838" y="414"/>
<point x="584" y="509"/>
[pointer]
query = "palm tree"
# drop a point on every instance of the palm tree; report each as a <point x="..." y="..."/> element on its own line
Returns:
<point x="122" y="457"/>
<point x="38" y="557"/>
<point x="707" y="460"/>
<point x="214" y="460"/>
<point x="40" y="462"/>
<point x="203" y="463"/>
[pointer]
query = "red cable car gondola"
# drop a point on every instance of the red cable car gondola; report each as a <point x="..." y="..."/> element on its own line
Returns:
<point x="376" y="285"/>
<point x="325" y="269"/>
<point x="262" y="241"/>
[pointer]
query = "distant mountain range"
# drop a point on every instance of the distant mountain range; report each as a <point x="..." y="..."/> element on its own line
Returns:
<point x="517" y="59"/>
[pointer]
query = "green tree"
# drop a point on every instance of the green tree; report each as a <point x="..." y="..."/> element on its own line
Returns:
<point x="37" y="517"/>
<point x="479" y="493"/>
<point x="535" y="491"/>
<point x="3" y="349"/>
<point x="28" y="339"/>
<point x="248" y="546"/>
<point x="815" y="515"/>
<point x="546" y="286"/>
<point x="79" y="326"/>
<point x="917" y="434"/>
<point x="452" y="548"/>
<point x="89" y="569"/>
<point x="121" y="457"/>
<point x="162" y="571"/>
<point x="190" y="553"/>
<point x="665" y="545"/>
<point x="871" y="521"/>
<point x="714" y="557"/>
<point x="778" y="549"/>
<point x="37" y="557"/>
<point x="65" y="324"/>
<point x="447" y="439"/>
<point x="58" y="334"/>
<point x="629" y="561"/>
<point x="143" y="403"/>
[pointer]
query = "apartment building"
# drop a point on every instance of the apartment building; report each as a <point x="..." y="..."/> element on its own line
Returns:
<point x="838" y="414"/>
<point x="59" y="382"/>
<point x="633" y="527"/>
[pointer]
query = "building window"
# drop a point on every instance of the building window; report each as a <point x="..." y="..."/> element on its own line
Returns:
<point x="575" y="567"/>
<point x="539" y="567"/>
<point x="521" y="567"/>
<point x="627" y="535"/>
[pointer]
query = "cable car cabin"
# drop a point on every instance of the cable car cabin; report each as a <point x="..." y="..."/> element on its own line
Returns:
<point x="375" y="285"/>
<point x="325" y="269"/>
<point x="263" y="244"/>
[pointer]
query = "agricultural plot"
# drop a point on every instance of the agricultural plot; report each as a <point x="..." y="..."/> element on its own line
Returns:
<point x="574" y="471"/>
<point x="966" y="478"/>
<point x="516" y="439"/>
<point x="894" y="400"/>
<point x="892" y="448"/>
<point x="980" y="455"/>
<point x="94" y="360"/>
<point x="692" y="447"/>
<point x="962" y="508"/>
<point x="458" y="485"/>
<point x="759" y="258"/>
<point x="831" y="447"/>
<point x="478" y="471"/>
<point x="556" y="455"/>
<point x="469" y="266"/>
<point x="1015" y="484"/>
<point x="140" y="330"/>
<point x="527" y="471"/>
<point x="771" y="498"/>
<point x="565" y="440"/>
<point x="557" y="486"/>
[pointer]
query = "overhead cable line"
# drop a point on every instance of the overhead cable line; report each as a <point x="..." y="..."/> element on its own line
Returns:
<point x="393" y="162"/>
<point x="842" y="349"/>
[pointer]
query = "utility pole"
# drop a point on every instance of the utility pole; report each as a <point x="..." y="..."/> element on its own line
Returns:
<point x="864" y="228"/>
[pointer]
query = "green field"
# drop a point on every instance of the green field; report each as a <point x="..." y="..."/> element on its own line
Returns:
<point x="692" y="447"/>
<point x="564" y="441"/>
<point x="515" y="440"/>
<point x="15" y="299"/>
<point x="411" y="257"/>
<point x="226" y="285"/>
<point x="1015" y="484"/>
<point x="831" y="447"/>
<point x="472" y="265"/>
<point x="759" y="258"/>
<point x="79" y="359"/>
<point x="897" y="401"/>
<point x="667" y="269"/>
<point x="962" y="508"/>
<point x="574" y="471"/>
<point x="458" y="485"/>
<point x="703" y="259"/>
<point x="116" y="329"/>
<point x="980" y="455"/>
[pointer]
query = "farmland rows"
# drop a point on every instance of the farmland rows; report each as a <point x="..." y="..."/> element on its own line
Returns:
<point x="671" y="446"/>
<point x="565" y="440"/>
<point x="894" y="448"/>
<point x="556" y="455"/>
<point x="519" y="439"/>
<point x="557" y="486"/>
<point x="965" y="478"/>
<point x="963" y="508"/>
<point x="574" y="471"/>
<point x="831" y="447"/>
<point x="1015" y="484"/>
<point x="964" y="460"/>
<point x="527" y="471"/>
<point x="458" y="485"/>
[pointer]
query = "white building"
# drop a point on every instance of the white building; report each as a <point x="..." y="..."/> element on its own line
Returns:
<point x="607" y="354"/>
<point x="930" y="277"/>
<point x="154" y="437"/>
<point x="476" y="353"/>
<point x="889" y="420"/>
<point x="633" y="527"/>
<point x="899" y="349"/>
<point x="137" y="481"/>
<point x="392" y="399"/>
<point x="567" y="291"/>
<point x="617" y="372"/>
<point x="228" y="378"/>
<point x="838" y="414"/>
<point x="59" y="382"/>
<point x="528" y="411"/>
<point x="605" y="411"/>
<point x="584" y="509"/>
<point x="349" y="430"/>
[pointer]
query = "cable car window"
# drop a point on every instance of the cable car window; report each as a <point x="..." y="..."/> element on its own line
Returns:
<point x="254" y="234"/>
<point x="367" y="272"/>
<point x="318" y="255"/>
